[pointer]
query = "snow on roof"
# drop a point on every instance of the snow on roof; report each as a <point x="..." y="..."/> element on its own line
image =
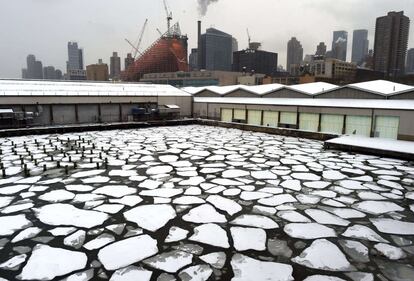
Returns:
<point x="66" y="88"/>
<point x="313" y="88"/>
<point x="224" y="90"/>
<point x="267" y="88"/>
<point x="6" y="110"/>
<point x="339" y="103"/>
<point x="377" y="143"/>
<point x="193" y="90"/>
<point x="382" y="87"/>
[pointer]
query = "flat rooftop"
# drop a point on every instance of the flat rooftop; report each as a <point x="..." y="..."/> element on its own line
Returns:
<point x="201" y="203"/>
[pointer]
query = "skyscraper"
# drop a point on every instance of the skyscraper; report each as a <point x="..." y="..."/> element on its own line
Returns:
<point x="115" y="66"/>
<point x="410" y="61"/>
<point x="34" y="68"/>
<point x="75" y="57"/>
<point x="321" y="49"/>
<point x="216" y="50"/>
<point x="294" y="53"/>
<point x="192" y="60"/>
<point x="257" y="61"/>
<point x="340" y="44"/>
<point x="359" y="46"/>
<point x="129" y="60"/>
<point x="391" y="41"/>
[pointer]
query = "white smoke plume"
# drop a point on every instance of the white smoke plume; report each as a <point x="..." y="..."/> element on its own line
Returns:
<point x="340" y="40"/>
<point x="203" y="6"/>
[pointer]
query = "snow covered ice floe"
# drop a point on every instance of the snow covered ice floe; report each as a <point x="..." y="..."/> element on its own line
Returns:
<point x="211" y="234"/>
<point x="11" y="224"/>
<point x="246" y="268"/>
<point x="170" y="261"/>
<point x="131" y="273"/>
<point x="392" y="226"/>
<point x="308" y="230"/>
<point x="255" y="221"/>
<point x="119" y="254"/>
<point x="323" y="254"/>
<point x="204" y="214"/>
<point x="151" y="217"/>
<point x="246" y="238"/>
<point x="47" y="262"/>
<point x="65" y="214"/>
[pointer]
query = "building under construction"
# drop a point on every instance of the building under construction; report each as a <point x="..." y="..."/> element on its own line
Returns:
<point x="167" y="54"/>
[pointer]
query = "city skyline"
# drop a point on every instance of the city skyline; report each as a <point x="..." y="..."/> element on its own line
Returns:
<point x="100" y="34"/>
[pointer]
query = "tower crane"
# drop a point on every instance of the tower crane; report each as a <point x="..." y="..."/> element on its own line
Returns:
<point x="249" y="38"/>
<point x="141" y="35"/>
<point x="169" y="16"/>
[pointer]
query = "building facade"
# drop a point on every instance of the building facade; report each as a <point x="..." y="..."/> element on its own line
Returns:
<point x="97" y="72"/>
<point x="115" y="66"/>
<point x="75" y="57"/>
<point x="193" y="78"/>
<point x="294" y="53"/>
<point x="192" y="60"/>
<point x="391" y="41"/>
<point x="257" y="61"/>
<point x="34" y="69"/>
<point x="410" y="61"/>
<point x="216" y="50"/>
<point x="360" y="46"/>
<point x="321" y="49"/>
<point x="129" y="60"/>
<point x="340" y="45"/>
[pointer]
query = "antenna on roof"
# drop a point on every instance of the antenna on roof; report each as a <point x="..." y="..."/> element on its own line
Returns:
<point x="394" y="88"/>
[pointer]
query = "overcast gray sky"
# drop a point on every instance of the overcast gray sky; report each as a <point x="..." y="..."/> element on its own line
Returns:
<point x="43" y="27"/>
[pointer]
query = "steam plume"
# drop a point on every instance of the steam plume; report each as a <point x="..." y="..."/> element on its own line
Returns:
<point x="203" y="6"/>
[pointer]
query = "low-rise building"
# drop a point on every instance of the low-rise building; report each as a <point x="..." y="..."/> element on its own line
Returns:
<point x="97" y="72"/>
<point x="193" y="78"/>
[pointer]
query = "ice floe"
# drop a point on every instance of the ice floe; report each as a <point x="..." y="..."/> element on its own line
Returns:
<point x="41" y="266"/>
<point x="151" y="217"/>
<point x="119" y="254"/>
<point x="323" y="254"/>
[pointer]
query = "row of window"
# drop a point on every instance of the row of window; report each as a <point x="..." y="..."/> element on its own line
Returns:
<point x="384" y="126"/>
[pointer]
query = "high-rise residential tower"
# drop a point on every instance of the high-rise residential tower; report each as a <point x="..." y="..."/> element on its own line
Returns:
<point x="410" y="61"/>
<point x="75" y="57"/>
<point x="129" y="60"/>
<point x="340" y="45"/>
<point x="391" y="41"/>
<point x="115" y="66"/>
<point x="34" y="68"/>
<point x="321" y="49"/>
<point x="216" y="50"/>
<point x="294" y="53"/>
<point x="359" y="46"/>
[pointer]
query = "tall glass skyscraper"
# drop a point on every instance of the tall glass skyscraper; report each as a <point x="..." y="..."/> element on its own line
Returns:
<point x="359" y="45"/>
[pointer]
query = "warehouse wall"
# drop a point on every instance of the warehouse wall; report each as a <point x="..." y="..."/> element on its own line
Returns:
<point x="207" y="93"/>
<point x="405" y="96"/>
<point x="405" y="129"/>
<point x="286" y="93"/>
<point x="348" y="93"/>
<point x="88" y="113"/>
<point x="242" y="94"/>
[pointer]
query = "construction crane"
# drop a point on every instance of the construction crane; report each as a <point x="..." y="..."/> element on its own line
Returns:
<point x="159" y="32"/>
<point x="249" y="38"/>
<point x="141" y="35"/>
<point x="169" y="16"/>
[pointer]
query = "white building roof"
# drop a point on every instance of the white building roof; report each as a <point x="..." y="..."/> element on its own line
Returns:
<point x="338" y="103"/>
<point x="378" y="87"/>
<point x="224" y="90"/>
<point x="313" y="88"/>
<point x="382" y="87"/>
<point x="57" y="88"/>
<point x="377" y="143"/>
